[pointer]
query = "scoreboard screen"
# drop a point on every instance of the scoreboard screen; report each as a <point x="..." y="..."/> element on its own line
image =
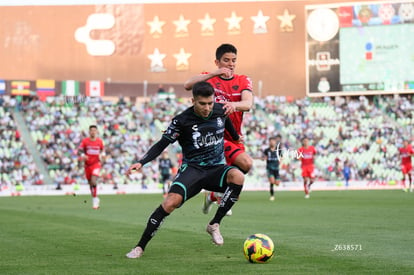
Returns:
<point x="360" y="48"/>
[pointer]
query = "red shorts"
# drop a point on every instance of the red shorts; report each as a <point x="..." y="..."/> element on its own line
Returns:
<point x="92" y="170"/>
<point x="307" y="171"/>
<point x="232" y="150"/>
<point x="406" y="168"/>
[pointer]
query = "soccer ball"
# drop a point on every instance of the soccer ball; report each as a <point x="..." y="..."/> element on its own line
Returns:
<point x="258" y="248"/>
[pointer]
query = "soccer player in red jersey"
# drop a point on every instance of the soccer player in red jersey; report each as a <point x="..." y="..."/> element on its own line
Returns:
<point x="406" y="152"/>
<point x="307" y="155"/>
<point x="90" y="150"/>
<point x="235" y="92"/>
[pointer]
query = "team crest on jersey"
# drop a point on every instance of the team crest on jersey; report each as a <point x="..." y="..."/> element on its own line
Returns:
<point x="219" y="122"/>
<point x="235" y="87"/>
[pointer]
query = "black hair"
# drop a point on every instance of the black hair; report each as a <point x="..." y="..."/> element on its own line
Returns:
<point x="203" y="89"/>
<point x="93" y="126"/>
<point x="225" y="48"/>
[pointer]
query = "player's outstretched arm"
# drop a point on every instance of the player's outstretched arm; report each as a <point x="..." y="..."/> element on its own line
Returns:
<point x="152" y="153"/>
<point x="188" y="85"/>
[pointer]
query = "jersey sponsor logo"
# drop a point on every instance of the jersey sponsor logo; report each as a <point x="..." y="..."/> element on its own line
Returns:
<point x="93" y="150"/>
<point x="220" y="122"/>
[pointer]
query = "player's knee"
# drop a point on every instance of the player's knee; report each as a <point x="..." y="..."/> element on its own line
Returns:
<point x="171" y="202"/>
<point x="244" y="162"/>
<point x="235" y="176"/>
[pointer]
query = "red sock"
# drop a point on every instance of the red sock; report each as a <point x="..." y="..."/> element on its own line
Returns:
<point x="306" y="188"/>
<point x="212" y="197"/>
<point x="93" y="191"/>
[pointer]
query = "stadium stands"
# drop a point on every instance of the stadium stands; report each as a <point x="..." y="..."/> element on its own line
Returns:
<point x="366" y="133"/>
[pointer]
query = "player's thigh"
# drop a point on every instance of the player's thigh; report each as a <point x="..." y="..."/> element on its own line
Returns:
<point x="217" y="178"/>
<point x="187" y="183"/>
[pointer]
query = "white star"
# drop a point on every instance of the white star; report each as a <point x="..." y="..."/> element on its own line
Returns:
<point x="156" y="60"/>
<point x="260" y="22"/>
<point x="234" y="21"/>
<point x="181" y="24"/>
<point x="286" y="20"/>
<point x="207" y="23"/>
<point x="156" y="25"/>
<point x="182" y="58"/>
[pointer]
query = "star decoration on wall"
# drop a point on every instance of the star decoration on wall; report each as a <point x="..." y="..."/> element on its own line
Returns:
<point x="207" y="24"/>
<point x="156" y="26"/>
<point x="182" y="60"/>
<point x="260" y="22"/>
<point x="181" y="25"/>
<point x="233" y="22"/>
<point x="286" y="19"/>
<point x="156" y="61"/>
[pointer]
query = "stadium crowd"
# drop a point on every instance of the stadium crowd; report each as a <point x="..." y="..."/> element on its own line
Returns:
<point x="364" y="132"/>
<point x="16" y="164"/>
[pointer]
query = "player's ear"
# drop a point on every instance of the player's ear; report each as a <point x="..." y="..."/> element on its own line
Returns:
<point x="192" y="100"/>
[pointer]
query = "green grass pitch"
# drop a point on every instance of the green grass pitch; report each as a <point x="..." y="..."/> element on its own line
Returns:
<point x="334" y="232"/>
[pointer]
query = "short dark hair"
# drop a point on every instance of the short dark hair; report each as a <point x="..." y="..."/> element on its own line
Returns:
<point x="93" y="126"/>
<point x="203" y="89"/>
<point x="225" y="48"/>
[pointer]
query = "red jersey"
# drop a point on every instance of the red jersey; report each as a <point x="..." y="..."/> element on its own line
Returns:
<point x="307" y="155"/>
<point x="92" y="149"/>
<point x="230" y="90"/>
<point x="406" y="153"/>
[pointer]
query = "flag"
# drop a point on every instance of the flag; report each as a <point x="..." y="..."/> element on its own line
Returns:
<point x="94" y="88"/>
<point x="70" y="88"/>
<point x="2" y="87"/>
<point x="20" y="87"/>
<point x="45" y="88"/>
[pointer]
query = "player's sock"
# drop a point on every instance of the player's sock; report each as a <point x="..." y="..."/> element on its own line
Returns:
<point x="272" y="191"/>
<point x="212" y="197"/>
<point x="93" y="191"/>
<point x="154" y="222"/>
<point x="306" y="188"/>
<point x="230" y="196"/>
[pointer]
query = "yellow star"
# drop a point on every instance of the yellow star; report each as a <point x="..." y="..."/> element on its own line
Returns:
<point x="260" y="22"/>
<point x="286" y="20"/>
<point x="234" y="21"/>
<point x="182" y="59"/>
<point x="207" y="23"/>
<point x="156" y="25"/>
<point x="156" y="61"/>
<point x="181" y="24"/>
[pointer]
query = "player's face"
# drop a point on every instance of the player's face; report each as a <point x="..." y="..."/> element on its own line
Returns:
<point x="203" y="105"/>
<point x="305" y="142"/>
<point x="93" y="132"/>
<point x="272" y="142"/>
<point x="228" y="60"/>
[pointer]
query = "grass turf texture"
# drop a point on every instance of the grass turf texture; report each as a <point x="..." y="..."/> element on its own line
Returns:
<point x="63" y="235"/>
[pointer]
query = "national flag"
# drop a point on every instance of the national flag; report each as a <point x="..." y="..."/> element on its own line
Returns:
<point x="70" y="88"/>
<point x="2" y="87"/>
<point x="94" y="88"/>
<point x="45" y="88"/>
<point x="20" y="87"/>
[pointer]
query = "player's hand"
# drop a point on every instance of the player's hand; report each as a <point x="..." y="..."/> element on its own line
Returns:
<point x="229" y="108"/>
<point x="83" y="158"/>
<point x="224" y="72"/>
<point x="134" y="168"/>
<point x="240" y="140"/>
